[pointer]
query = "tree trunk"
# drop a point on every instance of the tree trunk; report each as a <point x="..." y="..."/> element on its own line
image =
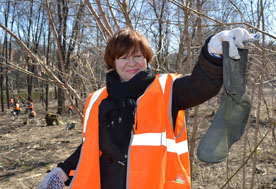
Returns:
<point x="30" y="83"/>
<point x="46" y="97"/>
<point x="29" y="78"/>
<point x="2" y="86"/>
<point x="4" y="54"/>
<point x="46" y="100"/>
<point x="61" y="102"/>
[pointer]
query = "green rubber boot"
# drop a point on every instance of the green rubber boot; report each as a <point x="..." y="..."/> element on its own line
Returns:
<point x="232" y="115"/>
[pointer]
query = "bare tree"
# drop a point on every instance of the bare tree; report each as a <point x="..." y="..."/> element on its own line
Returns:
<point x="6" y="55"/>
<point x="160" y="32"/>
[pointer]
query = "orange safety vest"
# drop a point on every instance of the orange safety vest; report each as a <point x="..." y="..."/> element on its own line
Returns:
<point x="158" y="156"/>
<point x="17" y="106"/>
<point x="31" y="105"/>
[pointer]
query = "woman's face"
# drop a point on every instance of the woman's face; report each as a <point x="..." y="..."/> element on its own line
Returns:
<point x="128" y="65"/>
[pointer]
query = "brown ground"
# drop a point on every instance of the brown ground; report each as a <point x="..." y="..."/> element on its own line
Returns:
<point x="27" y="151"/>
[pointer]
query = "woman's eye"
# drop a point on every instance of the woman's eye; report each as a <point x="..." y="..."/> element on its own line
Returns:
<point x="123" y="58"/>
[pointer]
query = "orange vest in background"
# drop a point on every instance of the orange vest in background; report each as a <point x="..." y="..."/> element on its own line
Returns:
<point x="158" y="156"/>
<point x="31" y="105"/>
<point x="17" y="106"/>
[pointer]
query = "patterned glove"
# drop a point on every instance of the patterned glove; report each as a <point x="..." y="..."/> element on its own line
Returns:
<point x="54" y="180"/>
<point x="236" y="37"/>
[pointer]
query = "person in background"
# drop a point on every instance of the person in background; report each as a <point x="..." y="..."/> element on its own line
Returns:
<point x="70" y="110"/>
<point x="16" y="109"/>
<point x="134" y="132"/>
<point x="32" y="114"/>
<point x="31" y="106"/>
<point x="12" y="102"/>
<point x="17" y="99"/>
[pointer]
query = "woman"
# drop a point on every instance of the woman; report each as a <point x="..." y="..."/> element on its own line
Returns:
<point x="134" y="132"/>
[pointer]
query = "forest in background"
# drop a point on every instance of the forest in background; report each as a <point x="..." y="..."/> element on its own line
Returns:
<point x="58" y="46"/>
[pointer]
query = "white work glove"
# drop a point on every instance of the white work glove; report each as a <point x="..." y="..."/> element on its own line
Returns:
<point x="236" y="37"/>
<point x="54" y="180"/>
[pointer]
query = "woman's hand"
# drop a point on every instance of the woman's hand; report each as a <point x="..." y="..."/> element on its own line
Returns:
<point x="54" y="180"/>
<point x="236" y="37"/>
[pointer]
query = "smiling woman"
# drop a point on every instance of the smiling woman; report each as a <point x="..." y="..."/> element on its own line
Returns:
<point x="128" y="53"/>
<point x="134" y="132"/>
<point x="128" y="66"/>
<point x="124" y="43"/>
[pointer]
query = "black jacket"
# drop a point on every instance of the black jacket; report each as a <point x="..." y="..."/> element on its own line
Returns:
<point x="188" y="91"/>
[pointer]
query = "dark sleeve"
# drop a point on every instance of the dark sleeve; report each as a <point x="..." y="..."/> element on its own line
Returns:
<point x="70" y="164"/>
<point x="204" y="82"/>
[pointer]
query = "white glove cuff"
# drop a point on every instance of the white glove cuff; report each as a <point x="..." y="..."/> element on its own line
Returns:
<point x="62" y="175"/>
<point x="215" y="47"/>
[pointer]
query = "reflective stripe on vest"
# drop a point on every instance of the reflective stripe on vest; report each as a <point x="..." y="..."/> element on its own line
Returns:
<point x="159" y="139"/>
<point x="157" y="159"/>
<point x="95" y="97"/>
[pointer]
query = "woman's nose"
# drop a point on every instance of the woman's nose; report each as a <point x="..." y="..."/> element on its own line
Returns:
<point x="131" y="60"/>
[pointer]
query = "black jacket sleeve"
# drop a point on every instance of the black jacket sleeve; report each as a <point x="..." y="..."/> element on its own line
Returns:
<point x="204" y="82"/>
<point x="70" y="164"/>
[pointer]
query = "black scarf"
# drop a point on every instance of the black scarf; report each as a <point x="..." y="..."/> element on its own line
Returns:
<point x="116" y="112"/>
